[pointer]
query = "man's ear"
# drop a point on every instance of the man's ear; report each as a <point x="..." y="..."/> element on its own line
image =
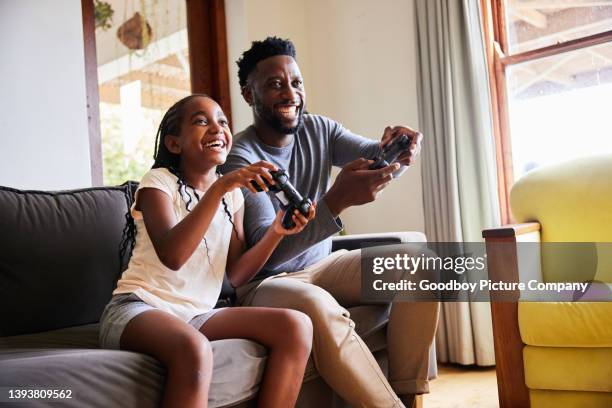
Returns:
<point x="171" y="143"/>
<point x="247" y="94"/>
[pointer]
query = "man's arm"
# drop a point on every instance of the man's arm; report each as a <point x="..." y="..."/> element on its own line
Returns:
<point x="347" y="146"/>
<point x="356" y="184"/>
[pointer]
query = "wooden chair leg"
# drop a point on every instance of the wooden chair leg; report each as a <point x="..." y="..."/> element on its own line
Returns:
<point x="503" y="266"/>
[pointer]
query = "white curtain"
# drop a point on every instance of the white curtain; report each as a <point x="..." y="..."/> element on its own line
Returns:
<point x="459" y="182"/>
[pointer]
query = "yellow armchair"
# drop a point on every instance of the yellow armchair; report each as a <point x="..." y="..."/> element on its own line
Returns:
<point x="557" y="353"/>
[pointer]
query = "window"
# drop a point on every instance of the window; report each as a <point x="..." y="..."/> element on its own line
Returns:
<point x="143" y="68"/>
<point x="551" y="70"/>
<point x="140" y="57"/>
<point x="559" y="107"/>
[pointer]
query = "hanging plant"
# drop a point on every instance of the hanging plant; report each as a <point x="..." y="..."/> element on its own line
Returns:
<point x="103" y="13"/>
<point x="135" y="33"/>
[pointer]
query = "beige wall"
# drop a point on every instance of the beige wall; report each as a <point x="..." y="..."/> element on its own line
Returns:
<point x="357" y="58"/>
<point x="43" y="110"/>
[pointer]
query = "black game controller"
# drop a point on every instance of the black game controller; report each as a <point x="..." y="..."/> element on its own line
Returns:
<point x="288" y="196"/>
<point x="392" y="152"/>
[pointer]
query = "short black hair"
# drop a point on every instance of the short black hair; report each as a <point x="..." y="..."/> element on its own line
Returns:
<point x="260" y="50"/>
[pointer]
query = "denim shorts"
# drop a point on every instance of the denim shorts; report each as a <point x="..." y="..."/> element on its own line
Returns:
<point x="123" y="308"/>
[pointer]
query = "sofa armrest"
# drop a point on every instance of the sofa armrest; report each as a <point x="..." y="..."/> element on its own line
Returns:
<point x="503" y="264"/>
<point x="355" y="241"/>
<point x="511" y="230"/>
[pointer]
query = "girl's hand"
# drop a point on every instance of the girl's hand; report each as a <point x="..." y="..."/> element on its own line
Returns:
<point x="257" y="172"/>
<point x="299" y="220"/>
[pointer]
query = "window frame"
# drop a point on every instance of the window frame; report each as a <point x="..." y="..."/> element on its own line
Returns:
<point x="498" y="60"/>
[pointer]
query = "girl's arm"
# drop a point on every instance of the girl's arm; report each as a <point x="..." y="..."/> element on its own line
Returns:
<point x="175" y="242"/>
<point x="243" y="265"/>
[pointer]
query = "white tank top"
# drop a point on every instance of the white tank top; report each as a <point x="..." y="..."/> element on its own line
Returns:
<point x="195" y="288"/>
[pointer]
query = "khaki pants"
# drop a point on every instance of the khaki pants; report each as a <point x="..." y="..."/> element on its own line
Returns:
<point x="340" y="355"/>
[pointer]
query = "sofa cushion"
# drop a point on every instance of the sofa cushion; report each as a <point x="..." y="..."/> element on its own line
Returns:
<point x="566" y="324"/>
<point x="96" y="378"/>
<point x="370" y="323"/>
<point x="570" y="369"/>
<point x="60" y="256"/>
<point x="70" y="358"/>
<point x="569" y="399"/>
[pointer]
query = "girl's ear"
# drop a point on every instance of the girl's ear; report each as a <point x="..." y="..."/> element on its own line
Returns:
<point x="247" y="94"/>
<point x="171" y="143"/>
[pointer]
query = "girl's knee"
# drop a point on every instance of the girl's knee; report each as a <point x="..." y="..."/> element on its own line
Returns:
<point x="302" y="324"/>
<point x="194" y="350"/>
<point x="297" y="331"/>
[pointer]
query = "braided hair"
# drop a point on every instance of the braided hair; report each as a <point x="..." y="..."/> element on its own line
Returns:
<point x="171" y="125"/>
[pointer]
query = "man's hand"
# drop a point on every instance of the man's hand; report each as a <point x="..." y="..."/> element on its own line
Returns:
<point x="391" y="133"/>
<point x="357" y="185"/>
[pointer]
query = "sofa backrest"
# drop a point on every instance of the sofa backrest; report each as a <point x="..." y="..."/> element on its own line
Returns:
<point x="573" y="203"/>
<point x="59" y="256"/>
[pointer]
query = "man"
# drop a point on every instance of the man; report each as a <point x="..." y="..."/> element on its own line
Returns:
<point x="301" y="273"/>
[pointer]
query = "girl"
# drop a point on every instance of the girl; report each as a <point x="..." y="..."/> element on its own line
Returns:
<point x="189" y="233"/>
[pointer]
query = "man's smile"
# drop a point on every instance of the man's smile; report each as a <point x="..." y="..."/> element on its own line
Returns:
<point x="288" y="111"/>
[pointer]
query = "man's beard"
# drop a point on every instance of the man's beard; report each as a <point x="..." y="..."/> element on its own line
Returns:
<point x="275" y="122"/>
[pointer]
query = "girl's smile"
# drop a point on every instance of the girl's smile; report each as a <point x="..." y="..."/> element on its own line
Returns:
<point x="217" y="145"/>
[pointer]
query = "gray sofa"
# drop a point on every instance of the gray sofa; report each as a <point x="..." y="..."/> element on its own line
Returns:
<point x="59" y="261"/>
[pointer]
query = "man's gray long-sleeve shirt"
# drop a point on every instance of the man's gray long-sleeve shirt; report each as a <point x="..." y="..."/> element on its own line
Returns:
<point x="320" y="144"/>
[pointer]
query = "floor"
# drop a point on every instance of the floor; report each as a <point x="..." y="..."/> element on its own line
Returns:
<point x="462" y="387"/>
